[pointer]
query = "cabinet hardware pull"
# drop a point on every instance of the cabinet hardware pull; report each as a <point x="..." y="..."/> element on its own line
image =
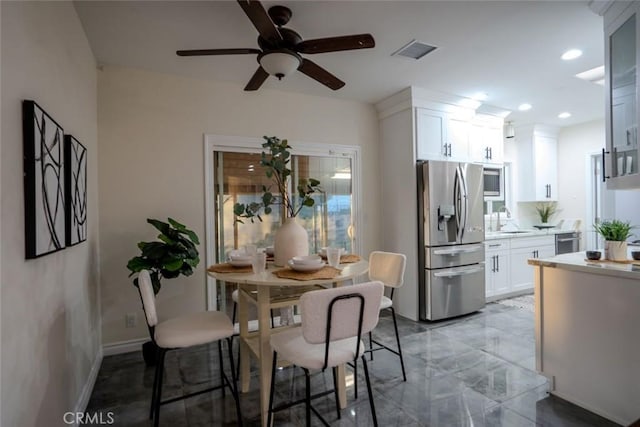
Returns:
<point x="490" y="153"/>
<point x="497" y="263"/>
<point x="604" y="174"/>
<point x="496" y="245"/>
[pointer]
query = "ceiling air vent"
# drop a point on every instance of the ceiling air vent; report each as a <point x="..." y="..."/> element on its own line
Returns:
<point x="414" y="49"/>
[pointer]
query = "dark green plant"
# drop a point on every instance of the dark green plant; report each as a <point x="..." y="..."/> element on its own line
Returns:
<point x="276" y="161"/>
<point x="614" y="230"/>
<point x="175" y="253"/>
<point x="546" y="211"/>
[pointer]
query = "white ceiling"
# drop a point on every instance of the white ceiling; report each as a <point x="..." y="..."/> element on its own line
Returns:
<point x="508" y="49"/>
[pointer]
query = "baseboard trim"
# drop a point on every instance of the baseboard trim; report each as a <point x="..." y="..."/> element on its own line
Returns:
<point x="123" y="346"/>
<point x="83" y="400"/>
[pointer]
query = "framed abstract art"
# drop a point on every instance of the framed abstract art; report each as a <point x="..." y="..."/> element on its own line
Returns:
<point x="44" y="193"/>
<point x="75" y="167"/>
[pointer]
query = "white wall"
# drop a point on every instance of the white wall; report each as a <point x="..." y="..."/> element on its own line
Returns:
<point x="151" y="129"/>
<point x="50" y="308"/>
<point x="576" y="144"/>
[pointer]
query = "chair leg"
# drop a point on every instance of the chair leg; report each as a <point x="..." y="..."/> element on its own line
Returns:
<point x="335" y="389"/>
<point x="373" y="408"/>
<point x="158" y="400"/>
<point x="355" y="379"/>
<point x="234" y="386"/>
<point x="273" y="387"/>
<point x="307" y="400"/>
<point x="395" y="326"/>
<point x="370" y="346"/>
<point x="221" y="365"/>
<point x="155" y="386"/>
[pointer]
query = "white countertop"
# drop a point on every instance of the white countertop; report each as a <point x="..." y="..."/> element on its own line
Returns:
<point x="493" y="235"/>
<point x="577" y="261"/>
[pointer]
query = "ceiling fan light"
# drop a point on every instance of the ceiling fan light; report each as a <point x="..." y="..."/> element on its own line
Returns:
<point x="280" y="64"/>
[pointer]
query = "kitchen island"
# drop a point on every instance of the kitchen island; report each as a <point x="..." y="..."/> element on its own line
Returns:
<point x="587" y="329"/>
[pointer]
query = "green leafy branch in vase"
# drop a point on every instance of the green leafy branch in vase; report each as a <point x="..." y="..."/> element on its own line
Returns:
<point x="276" y="163"/>
<point x="546" y="211"/>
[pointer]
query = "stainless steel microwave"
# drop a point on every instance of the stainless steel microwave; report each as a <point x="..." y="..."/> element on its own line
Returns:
<point x="493" y="179"/>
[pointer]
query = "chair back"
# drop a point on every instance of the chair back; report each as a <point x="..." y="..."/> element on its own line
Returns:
<point x="148" y="298"/>
<point x="387" y="267"/>
<point x="352" y="311"/>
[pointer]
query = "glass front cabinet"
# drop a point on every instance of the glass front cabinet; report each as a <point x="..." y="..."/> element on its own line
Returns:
<point x="621" y="71"/>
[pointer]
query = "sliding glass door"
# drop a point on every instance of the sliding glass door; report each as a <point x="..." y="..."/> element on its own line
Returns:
<point x="237" y="177"/>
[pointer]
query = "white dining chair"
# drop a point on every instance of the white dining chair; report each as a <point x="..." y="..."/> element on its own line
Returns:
<point x="333" y="321"/>
<point x="183" y="332"/>
<point x="388" y="268"/>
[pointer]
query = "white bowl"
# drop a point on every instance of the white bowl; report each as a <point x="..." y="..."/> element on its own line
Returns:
<point x="240" y="256"/>
<point x="240" y="263"/>
<point x="307" y="260"/>
<point x="305" y="267"/>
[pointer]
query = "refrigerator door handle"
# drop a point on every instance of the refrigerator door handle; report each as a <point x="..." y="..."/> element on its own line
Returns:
<point x="453" y="273"/>
<point x="457" y="202"/>
<point x="457" y="251"/>
<point x="465" y="203"/>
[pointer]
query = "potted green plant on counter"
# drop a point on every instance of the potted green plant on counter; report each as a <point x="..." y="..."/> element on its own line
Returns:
<point x="291" y="239"/>
<point x="615" y="234"/>
<point x="546" y="211"/>
<point x="172" y="255"/>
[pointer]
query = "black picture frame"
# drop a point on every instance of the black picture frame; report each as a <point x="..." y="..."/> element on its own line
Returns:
<point x="44" y="196"/>
<point x="75" y="181"/>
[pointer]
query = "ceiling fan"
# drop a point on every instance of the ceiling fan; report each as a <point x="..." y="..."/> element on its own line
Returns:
<point x="280" y="47"/>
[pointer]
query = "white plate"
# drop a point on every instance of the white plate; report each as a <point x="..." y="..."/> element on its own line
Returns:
<point x="305" y="267"/>
<point x="239" y="263"/>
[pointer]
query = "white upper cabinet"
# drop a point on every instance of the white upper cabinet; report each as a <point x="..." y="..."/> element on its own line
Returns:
<point x="621" y="72"/>
<point x="441" y="136"/>
<point x="431" y="135"/>
<point x="537" y="155"/>
<point x="486" y="143"/>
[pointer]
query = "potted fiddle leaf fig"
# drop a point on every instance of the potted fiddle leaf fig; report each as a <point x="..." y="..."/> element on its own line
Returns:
<point x="615" y="234"/>
<point x="172" y="255"/>
<point x="291" y="239"/>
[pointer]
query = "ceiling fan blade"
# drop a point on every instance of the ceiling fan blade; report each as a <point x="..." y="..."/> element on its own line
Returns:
<point x="257" y="79"/>
<point x="201" y="52"/>
<point x="335" y="44"/>
<point x="319" y="74"/>
<point x="261" y="20"/>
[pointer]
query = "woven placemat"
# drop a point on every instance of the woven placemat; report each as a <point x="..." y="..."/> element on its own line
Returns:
<point x="225" y="267"/>
<point x="326" y="272"/>
<point x="346" y="258"/>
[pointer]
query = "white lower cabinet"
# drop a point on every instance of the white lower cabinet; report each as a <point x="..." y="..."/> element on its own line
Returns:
<point x="496" y="267"/>
<point x="513" y="273"/>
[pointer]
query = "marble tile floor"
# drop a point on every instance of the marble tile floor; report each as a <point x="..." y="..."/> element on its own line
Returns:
<point x="477" y="370"/>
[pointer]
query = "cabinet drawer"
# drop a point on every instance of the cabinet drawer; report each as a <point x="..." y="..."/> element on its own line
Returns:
<point x="530" y="242"/>
<point x="496" y="245"/>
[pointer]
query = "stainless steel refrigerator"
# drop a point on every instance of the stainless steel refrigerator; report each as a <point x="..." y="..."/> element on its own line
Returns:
<point x="451" y="235"/>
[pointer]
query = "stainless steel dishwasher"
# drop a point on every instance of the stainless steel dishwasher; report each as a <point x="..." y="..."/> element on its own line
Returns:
<point x="567" y="242"/>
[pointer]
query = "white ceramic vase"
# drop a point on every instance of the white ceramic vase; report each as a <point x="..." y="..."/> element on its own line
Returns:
<point x="615" y="251"/>
<point x="291" y="240"/>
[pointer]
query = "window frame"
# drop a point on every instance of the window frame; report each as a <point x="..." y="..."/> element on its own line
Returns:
<point x="240" y="144"/>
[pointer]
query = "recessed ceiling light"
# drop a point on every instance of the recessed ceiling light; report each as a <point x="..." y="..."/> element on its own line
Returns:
<point x="571" y="54"/>
<point x="594" y="75"/>
<point x="524" y="107"/>
<point x="564" y="115"/>
<point x="480" y="96"/>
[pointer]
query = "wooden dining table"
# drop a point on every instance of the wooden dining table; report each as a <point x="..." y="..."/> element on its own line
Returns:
<point x="267" y="291"/>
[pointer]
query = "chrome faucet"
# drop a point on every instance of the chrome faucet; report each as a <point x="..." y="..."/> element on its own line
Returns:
<point x="505" y="209"/>
<point x="498" y="225"/>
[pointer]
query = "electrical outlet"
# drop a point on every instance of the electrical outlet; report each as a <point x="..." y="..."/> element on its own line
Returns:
<point x="130" y="320"/>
